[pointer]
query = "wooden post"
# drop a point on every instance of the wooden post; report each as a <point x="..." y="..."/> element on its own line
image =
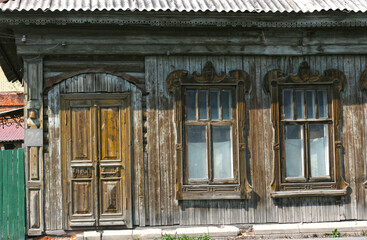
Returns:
<point x="33" y="138"/>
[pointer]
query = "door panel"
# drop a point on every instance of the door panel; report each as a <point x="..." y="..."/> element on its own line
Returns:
<point x="96" y="147"/>
<point x="82" y="197"/>
<point x="110" y="195"/>
<point x="81" y="133"/>
<point x="110" y="133"/>
<point x="111" y="162"/>
<point x="81" y="161"/>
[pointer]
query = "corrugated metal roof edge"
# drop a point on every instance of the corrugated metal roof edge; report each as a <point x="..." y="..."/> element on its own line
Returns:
<point x="178" y="11"/>
<point x="161" y="18"/>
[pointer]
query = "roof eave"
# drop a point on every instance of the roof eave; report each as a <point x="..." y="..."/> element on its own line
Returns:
<point x="9" y="60"/>
<point x="187" y="19"/>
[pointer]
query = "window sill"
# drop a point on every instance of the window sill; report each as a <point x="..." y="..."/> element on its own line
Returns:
<point x="212" y="193"/>
<point x="309" y="193"/>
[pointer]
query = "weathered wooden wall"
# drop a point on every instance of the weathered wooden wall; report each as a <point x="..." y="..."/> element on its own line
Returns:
<point x="165" y="210"/>
<point x="154" y="164"/>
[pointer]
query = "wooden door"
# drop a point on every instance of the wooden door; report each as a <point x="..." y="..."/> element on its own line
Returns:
<point x="96" y="154"/>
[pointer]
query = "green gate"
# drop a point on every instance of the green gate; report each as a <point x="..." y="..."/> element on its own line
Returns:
<point x="12" y="209"/>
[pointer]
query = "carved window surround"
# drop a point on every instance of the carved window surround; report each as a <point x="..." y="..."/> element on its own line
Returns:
<point x="363" y="87"/>
<point x="176" y="82"/>
<point x="334" y="80"/>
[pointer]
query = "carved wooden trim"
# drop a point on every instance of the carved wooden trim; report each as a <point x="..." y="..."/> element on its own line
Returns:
<point x="309" y="193"/>
<point x="33" y="119"/>
<point x="332" y="77"/>
<point x="363" y="81"/>
<point x="51" y="81"/>
<point x="241" y="80"/>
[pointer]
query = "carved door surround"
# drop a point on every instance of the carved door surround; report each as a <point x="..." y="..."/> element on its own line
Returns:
<point x="96" y="139"/>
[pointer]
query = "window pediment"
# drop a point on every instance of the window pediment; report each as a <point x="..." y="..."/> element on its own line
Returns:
<point x="305" y="76"/>
<point x="208" y="76"/>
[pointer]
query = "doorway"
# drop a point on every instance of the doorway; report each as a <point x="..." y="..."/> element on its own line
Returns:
<point x="96" y="140"/>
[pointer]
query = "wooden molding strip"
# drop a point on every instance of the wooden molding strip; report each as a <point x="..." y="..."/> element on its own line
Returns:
<point x="309" y="193"/>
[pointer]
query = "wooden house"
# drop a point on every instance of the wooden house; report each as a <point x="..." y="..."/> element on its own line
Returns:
<point x="190" y="112"/>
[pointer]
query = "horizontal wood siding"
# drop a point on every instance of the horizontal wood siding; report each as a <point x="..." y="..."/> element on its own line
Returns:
<point x="259" y="133"/>
<point x="149" y="40"/>
<point x="90" y="83"/>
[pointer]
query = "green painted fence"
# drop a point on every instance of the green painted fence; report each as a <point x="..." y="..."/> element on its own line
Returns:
<point x="12" y="213"/>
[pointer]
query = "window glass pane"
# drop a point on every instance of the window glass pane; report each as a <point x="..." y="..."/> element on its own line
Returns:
<point x="300" y="107"/>
<point x="226" y="105"/>
<point x="214" y="105"/>
<point x="319" y="150"/>
<point x="322" y="103"/>
<point x="287" y="104"/>
<point x="294" y="151"/>
<point x="203" y="104"/>
<point x="197" y="152"/>
<point x="311" y="105"/>
<point x="191" y="105"/>
<point x="222" y="152"/>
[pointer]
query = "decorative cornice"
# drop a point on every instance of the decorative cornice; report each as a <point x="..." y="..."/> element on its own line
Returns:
<point x="261" y="20"/>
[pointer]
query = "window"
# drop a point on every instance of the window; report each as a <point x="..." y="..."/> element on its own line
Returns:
<point x="305" y="128"/>
<point x="307" y="147"/>
<point x="209" y="123"/>
<point x="209" y="117"/>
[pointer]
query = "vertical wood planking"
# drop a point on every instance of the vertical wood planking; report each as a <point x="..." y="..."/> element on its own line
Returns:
<point x="247" y="211"/>
<point x="138" y="156"/>
<point x="349" y="122"/>
<point x="49" y="177"/>
<point x="358" y="145"/>
<point x="178" y="64"/>
<point x="170" y="142"/>
<point x="153" y="142"/>
<point x="257" y="165"/>
<point x="364" y="138"/>
<point x="163" y="133"/>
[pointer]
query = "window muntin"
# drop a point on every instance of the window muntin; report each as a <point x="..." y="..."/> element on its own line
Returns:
<point x="305" y="126"/>
<point x="210" y="115"/>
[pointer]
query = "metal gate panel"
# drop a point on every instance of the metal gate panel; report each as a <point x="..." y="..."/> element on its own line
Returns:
<point x="12" y="194"/>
